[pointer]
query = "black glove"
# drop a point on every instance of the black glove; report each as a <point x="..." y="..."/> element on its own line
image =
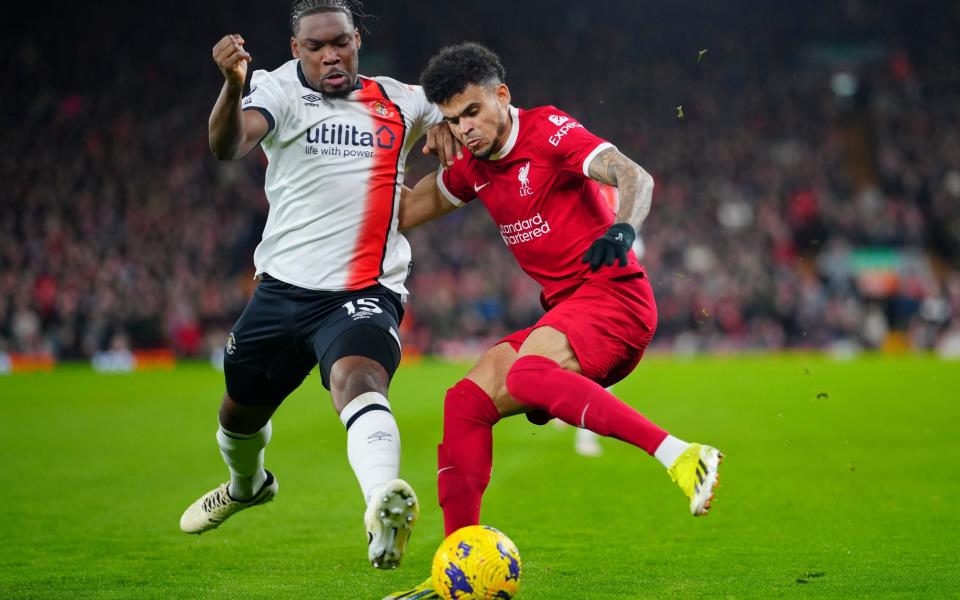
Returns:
<point x="613" y="246"/>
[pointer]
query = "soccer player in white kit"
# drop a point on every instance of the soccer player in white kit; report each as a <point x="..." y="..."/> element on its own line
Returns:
<point x="331" y="263"/>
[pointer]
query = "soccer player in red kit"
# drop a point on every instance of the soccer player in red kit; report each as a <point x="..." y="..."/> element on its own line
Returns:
<point x="537" y="172"/>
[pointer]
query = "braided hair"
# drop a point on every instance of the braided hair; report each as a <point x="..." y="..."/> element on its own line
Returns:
<point x="304" y="8"/>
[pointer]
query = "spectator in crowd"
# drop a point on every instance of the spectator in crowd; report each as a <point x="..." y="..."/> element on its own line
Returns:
<point x="777" y="167"/>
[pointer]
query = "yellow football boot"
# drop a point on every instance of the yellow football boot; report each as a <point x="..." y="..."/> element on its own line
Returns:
<point x="696" y="472"/>
<point x="424" y="591"/>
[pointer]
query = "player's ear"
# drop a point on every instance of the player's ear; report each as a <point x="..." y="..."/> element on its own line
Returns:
<point x="503" y="94"/>
<point x="356" y="34"/>
<point x="294" y="47"/>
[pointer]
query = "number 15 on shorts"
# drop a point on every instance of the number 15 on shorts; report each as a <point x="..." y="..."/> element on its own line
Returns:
<point x="356" y="309"/>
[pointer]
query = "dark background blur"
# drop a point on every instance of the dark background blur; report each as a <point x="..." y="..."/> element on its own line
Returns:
<point x="808" y="198"/>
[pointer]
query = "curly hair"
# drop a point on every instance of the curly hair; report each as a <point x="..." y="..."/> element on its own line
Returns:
<point x="455" y="67"/>
<point x="304" y="8"/>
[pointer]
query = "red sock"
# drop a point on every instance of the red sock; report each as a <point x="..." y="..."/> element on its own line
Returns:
<point x="465" y="457"/>
<point x="540" y="382"/>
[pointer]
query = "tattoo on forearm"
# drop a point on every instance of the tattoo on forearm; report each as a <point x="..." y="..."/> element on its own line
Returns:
<point x="634" y="184"/>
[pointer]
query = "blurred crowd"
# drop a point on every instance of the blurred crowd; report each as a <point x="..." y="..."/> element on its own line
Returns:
<point x="807" y="176"/>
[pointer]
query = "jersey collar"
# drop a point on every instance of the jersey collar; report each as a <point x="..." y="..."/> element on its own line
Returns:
<point x="303" y="81"/>
<point x="512" y="138"/>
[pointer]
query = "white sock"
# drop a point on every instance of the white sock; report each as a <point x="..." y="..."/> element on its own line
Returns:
<point x="585" y="436"/>
<point x="373" y="441"/>
<point x="243" y="454"/>
<point x="670" y="450"/>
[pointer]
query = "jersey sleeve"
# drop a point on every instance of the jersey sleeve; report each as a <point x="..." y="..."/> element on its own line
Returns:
<point x="417" y="110"/>
<point x="570" y="146"/>
<point x="428" y="113"/>
<point x="425" y="114"/>
<point x="266" y="97"/>
<point x="454" y="185"/>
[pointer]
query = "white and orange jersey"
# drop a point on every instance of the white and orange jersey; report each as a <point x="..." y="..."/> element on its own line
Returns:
<point x="333" y="179"/>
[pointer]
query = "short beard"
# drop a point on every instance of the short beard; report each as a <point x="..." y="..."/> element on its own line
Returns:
<point x="501" y="127"/>
<point x="339" y="93"/>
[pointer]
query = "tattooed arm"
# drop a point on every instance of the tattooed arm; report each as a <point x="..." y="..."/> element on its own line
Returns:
<point x="634" y="184"/>
<point x="636" y="193"/>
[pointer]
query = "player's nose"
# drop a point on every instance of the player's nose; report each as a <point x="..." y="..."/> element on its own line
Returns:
<point x="331" y="57"/>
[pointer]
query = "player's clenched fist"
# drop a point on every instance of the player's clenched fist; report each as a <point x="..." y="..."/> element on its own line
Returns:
<point x="232" y="58"/>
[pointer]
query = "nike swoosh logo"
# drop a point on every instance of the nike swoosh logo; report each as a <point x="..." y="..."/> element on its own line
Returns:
<point x="477" y="188"/>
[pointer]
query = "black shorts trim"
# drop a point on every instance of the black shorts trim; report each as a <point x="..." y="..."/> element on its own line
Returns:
<point x="367" y="341"/>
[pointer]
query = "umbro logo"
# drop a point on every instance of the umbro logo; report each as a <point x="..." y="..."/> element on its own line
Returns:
<point x="313" y="97"/>
<point x="558" y="120"/>
<point x="378" y="437"/>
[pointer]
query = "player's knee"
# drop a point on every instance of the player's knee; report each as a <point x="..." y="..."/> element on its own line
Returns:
<point x="454" y="409"/>
<point x="490" y="374"/>
<point x="242" y="418"/>
<point x="352" y="376"/>
<point x="524" y="380"/>
<point x="467" y="404"/>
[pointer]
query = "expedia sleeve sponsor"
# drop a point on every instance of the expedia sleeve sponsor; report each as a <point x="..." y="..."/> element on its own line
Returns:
<point x="562" y="132"/>
<point x="569" y="144"/>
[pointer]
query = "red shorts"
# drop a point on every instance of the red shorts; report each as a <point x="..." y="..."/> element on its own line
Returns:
<point x="608" y="322"/>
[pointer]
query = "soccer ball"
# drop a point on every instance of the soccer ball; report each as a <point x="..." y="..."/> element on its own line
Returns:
<point x="476" y="563"/>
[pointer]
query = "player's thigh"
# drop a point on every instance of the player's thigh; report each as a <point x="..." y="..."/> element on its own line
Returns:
<point x="262" y="364"/>
<point x="551" y="343"/>
<point x="358" y="346"/>
<point x="606" y="326"/>
<point x="490" y="373"/>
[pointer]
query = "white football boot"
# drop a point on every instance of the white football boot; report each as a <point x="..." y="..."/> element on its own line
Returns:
<point x="586" y="443"/>
<point x="216" y="506"/>
<point x="391" y="514"/>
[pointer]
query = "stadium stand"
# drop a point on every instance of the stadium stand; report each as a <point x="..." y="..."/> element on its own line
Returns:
<point x="807" y="198"/>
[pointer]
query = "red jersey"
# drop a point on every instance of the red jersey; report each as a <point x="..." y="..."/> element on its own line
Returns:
<point x="538" y="191"/>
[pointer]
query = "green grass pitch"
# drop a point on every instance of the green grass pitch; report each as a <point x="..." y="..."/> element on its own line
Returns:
<point x="841" y="481"/>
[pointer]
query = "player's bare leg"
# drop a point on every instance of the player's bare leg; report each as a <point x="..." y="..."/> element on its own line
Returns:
<point x="358" y="386"/>
<point x="243" y="435"/>
<point x="547" y="376"/>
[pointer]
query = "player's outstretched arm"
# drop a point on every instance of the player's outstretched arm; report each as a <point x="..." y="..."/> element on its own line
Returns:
<point x="636" y="195"/>
<point x="422" y="203"/>
<point x="233" y="132"/>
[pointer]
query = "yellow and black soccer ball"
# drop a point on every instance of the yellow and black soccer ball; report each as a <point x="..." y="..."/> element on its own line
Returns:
<point x="477" y="563"/>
